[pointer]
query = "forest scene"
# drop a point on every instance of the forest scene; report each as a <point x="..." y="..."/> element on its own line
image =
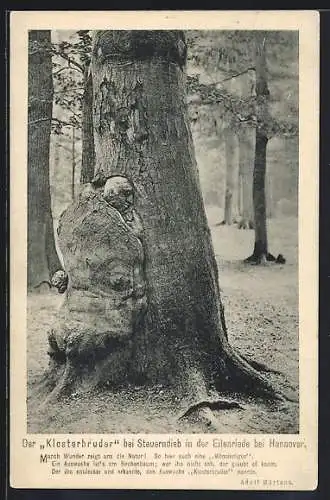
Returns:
<point x="163" y="232"/>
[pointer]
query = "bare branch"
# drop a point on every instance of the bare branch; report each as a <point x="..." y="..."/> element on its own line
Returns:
<point x="62" y="122"/>
<point x="252" y="68"/>
<point x="36" y="99"/>
<point x="72" y="89"/>
<point x="65" y="69"/>
<point x="72" y="63"/>
<point x="53" y="119"/>
<point x="34" y="122"/>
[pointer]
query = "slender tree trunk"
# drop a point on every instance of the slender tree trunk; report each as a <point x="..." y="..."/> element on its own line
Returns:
<point x="269" y="196"/>
<point x="170" y="321"/>
<point x="42" y="256"/>
<point x="260" y="252"/>
<point x="88" y="153"/>
<point x="246" y="161"/>
<point x="231" y="192"/>
<point x="73" y="163"/>
<point x="246" y="155"/>
<point x="259" y="197"/>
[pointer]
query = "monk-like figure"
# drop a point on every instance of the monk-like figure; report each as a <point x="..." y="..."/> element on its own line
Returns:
<point x="100" y="237"/>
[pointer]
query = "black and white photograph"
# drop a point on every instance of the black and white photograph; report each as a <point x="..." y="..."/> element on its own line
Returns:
<point x="162" y="241"/>
<point x="164" y="250"/>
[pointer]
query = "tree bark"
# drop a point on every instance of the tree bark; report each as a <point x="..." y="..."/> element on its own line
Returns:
<point x="42" y="256"/>
<point x="171" y="327"/>
<point x="88" y="152"/>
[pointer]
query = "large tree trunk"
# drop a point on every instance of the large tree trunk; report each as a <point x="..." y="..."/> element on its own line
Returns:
<point x="143" y="302"/>
<point x="88" y="153"/>
<point x="42" y="256"/>
<point x="231" y="191"/>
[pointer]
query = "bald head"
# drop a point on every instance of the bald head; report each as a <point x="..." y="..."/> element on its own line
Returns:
<point x="119" y="193"/>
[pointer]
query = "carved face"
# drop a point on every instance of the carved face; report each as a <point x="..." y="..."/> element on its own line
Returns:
<point x="119" y="193"/>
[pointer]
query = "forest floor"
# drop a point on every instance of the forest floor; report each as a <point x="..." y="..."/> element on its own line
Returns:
<point x="261" y="306"/>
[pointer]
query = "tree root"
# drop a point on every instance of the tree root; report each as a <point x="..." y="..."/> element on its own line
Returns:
<point x="61" y="387"/>
<point x="218" y="404"/>
<point x="248" y="379"/>
<point x="204" y="411"/>
<point x="244" y="376"/>
<point x="260" y="367"/>
<point x="263" y="258"/>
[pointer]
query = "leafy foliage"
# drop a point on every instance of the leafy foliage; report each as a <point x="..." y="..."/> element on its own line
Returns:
<point x="220" y="83"/>
<point x="71" y="60"/>
<point x="218" y="61"/>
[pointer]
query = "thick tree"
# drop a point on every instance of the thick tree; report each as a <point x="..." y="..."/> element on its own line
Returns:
<point x="143" y="302"/>
<point x="43" y="260"/>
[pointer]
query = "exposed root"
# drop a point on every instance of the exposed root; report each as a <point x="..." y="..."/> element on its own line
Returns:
<point x="219" y="404"/>
<point x="204" y="411"/>
<point x="264" y="258"/>
<point x="257" y="365"/>
<point x="248" y="379"/>
<point x="280" y="259"/>
<point x="62" y="387"/>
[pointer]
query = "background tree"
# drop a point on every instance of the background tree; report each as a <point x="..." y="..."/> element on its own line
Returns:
<point x="43" y="260"/>
<point x="223" y="65"/>
<point x="221" y="62"/>
<point x="141" y="131"/>
<point x="246" y="138"/>
<point x="259" y="175"/>
<point x="265" y="128"/>
<point x="232" y="187"/>
<point x="252" y="114"/>
<point x="73" y="101"/>
<point x="88" y="150"/>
